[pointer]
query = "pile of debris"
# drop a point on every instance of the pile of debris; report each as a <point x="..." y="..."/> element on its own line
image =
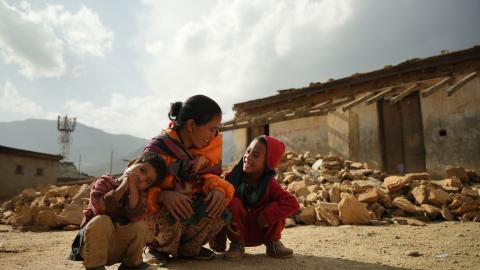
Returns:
<point x="333" y="191"/>
<point x="47" y="207"/>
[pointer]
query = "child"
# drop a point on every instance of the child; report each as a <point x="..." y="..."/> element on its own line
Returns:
<point x="113" y="229"/>
<point x="260" y="205"/>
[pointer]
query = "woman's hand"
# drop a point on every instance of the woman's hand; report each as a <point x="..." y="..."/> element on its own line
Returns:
<point x="176" y="203"/>
<point x="216" y="203"/>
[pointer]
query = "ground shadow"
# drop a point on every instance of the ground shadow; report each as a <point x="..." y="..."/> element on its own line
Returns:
<point x="261" y="261"/>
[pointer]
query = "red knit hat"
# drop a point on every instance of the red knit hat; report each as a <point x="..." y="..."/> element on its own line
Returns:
<point x="275" y="151"/>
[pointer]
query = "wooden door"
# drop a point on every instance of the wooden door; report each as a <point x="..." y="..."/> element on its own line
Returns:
<point x="402" y="135"/>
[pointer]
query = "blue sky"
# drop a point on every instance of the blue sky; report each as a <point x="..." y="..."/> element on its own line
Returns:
<point x="117" y="65"/>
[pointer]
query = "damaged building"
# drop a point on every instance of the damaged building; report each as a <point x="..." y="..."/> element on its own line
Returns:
<point x="419" y="115"/>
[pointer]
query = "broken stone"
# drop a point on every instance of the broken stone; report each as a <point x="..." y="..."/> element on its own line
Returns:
<point x="311" y="198"/>
<point x="446" y="214"/>
<point x="418" y="176"/>
<point x="326" y="215"/>
<point x="46" y="218"/>
<point x="323" y="195"/>
<point x="294" y="187"/>
<point x="356" y="165"/>
<point x="290" y="222"/>
<point x="438" y="196"/>
<point x="72" y="214"/>
<point x="22" y="218"/>
<point x="317" y="165"/>
<point x="333" y="207"/>
<point x="458" y="172"/>
<point x="395" y="183"/>
<point x="334" y="194"/>
<point x="352" y="211"/>
<point x="465" y="207"/>
<point x="470" y="192"/>
<point x="29" y="194"/>
<point x="370" y="196"/>
<point x="458" y="200"/>
<point x="431" y="210"/>
<point x="303" y="192"/>
<point x="450" y="184"/>
<point x="290" y="178"/>
<point x="298" y="170"/>
<point x="360" y="174"/>
<point x="378" y="222"/>
<point x="471" y="215"/>
<point x="307" y="216"/>
<point x="58" y="192"/>
<point x="406" y="205"/>
<point x="420" y="193"/>
<point x="408" y="221"/>
<point x="377" y="209"/>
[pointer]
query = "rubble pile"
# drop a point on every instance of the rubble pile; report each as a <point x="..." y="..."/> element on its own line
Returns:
<point x="47" y="207"/>
<point x="331" y="191"/>
<point x="334" y="191"/>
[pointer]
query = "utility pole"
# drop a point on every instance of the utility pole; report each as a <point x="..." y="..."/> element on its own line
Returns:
<point x="111" y="161"/>
<point x="79" y="165"/>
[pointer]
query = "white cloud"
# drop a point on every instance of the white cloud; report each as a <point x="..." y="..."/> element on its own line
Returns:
<point x="143" y="117"/>
<point x="83" y="31"/>
<point x="233" y="50"/>
<point x="13" y="106"/>
<point x="35" y="40"/>
<point x="31" y="46"/>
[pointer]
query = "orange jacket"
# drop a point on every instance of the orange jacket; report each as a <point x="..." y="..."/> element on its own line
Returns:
<point x="213" y="152"/>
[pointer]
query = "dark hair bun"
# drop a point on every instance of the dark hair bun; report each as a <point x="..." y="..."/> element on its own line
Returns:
<point x="174" y="110"/>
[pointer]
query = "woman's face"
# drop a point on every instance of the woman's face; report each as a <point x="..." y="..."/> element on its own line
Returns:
<point x="254" y="157"/>
<point x="201" y="135"/>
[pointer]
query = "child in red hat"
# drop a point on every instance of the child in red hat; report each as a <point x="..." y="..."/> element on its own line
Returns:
<point x="260" y="205"/>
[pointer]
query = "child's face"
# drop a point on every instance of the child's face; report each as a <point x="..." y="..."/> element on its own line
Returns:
<point x="254" y="157"/>
<point x="145" y="174"/>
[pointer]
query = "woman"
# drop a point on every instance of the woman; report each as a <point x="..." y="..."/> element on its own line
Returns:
<point x="187" y="207"/>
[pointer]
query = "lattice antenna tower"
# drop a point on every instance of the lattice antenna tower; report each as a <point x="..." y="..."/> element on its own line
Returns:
<point x="66" y="125"/>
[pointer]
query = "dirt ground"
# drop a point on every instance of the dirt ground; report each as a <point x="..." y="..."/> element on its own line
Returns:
<point x="445" y="245"/>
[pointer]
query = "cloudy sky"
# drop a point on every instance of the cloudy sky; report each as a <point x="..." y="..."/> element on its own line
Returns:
<point x="117" y="65"/>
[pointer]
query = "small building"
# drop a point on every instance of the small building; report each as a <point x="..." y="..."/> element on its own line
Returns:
<point x="20" y="169"/>
<point x="419" y="115"/>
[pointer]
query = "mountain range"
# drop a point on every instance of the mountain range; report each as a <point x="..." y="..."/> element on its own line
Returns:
<point x="90" y="148"/>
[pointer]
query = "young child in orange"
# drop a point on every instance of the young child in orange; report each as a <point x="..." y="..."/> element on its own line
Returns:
<point x="113" y="229"/>
<point x="260" y="205"/>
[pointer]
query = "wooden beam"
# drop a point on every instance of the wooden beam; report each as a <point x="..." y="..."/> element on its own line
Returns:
<point x="454" y="88"/>
<point x="379" y="95"/>
<point x="359" y="100"/>
<point x="427" y="92"/>
<point x="403" y="94"/>
<point x="320" y="105"/>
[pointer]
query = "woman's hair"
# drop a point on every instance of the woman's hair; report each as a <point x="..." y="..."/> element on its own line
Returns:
<point x="200" y="108"/>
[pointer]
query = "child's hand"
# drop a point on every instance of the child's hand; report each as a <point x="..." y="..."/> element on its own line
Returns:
<point x="132" y="180"/>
